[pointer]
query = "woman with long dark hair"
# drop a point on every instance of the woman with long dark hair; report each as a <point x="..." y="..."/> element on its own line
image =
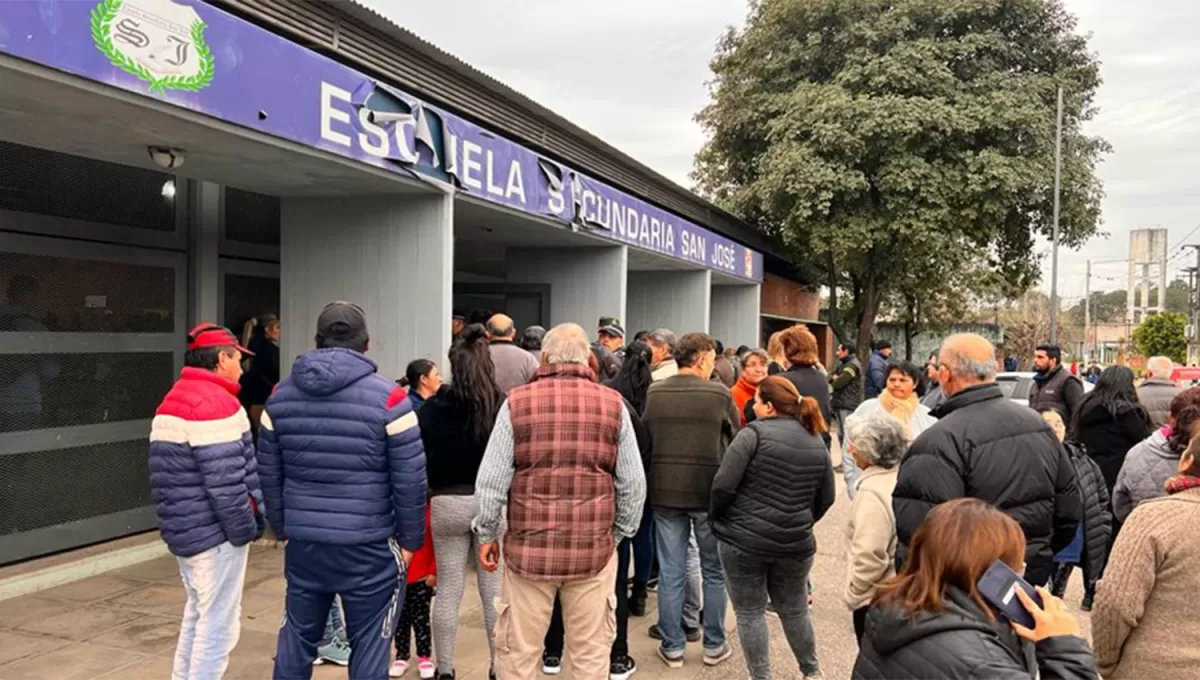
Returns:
<point x="930" y="621"/>
<point x="455" y="426"/>
<point x="1109" y="422"/>
<point x="774" y="484"/>
<point x="633" y="382"/>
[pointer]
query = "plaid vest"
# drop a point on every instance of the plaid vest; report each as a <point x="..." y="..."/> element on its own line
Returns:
<point x="562" y="505"/>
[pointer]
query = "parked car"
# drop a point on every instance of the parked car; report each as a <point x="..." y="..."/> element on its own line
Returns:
<point x="1017" y="385"/>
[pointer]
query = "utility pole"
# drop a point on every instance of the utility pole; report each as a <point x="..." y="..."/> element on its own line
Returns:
<point x="1193" y="307"/>
<point x="1087" y="313"/>
<point x="1057" y="200"/>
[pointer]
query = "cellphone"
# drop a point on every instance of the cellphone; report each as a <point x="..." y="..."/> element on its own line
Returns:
<point x="999" y="587"/>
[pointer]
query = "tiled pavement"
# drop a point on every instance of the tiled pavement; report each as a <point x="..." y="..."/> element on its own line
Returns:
<point x="123" y="624"/>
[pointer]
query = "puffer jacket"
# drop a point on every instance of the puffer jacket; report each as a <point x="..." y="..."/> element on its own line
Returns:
<point x="1156" y="395"/>
<point x="1147" y="468"/>
<point x="774" y="484"/>
<point x="961" y="642"/>
<point x="1097" y="513"/>
<point x="340" y="455"/>
<point x="876" y="375"/>
<point x="987" y="447"/>
<point x="203" y="474"/>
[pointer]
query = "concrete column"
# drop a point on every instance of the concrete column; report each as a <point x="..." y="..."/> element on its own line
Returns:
<point x="678" y="300"/>
<point x="585" y="283"/>
<point x="394" y="256"/>
<point x="735" y="315"/>
<point x="204" y="205"/>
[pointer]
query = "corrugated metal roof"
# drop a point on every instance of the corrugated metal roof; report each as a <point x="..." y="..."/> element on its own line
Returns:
<point x="361" y="37"/>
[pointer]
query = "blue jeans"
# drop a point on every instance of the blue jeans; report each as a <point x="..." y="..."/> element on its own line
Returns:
<point x="335" y="625"/>
<point x="673" y="529"/>
<point x="849" y="467"/>
<point x="751" y="580"/>
<point x="211" y="625"/>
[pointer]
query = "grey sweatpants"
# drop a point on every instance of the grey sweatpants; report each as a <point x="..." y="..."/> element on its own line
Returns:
<point x="456" y="550"/>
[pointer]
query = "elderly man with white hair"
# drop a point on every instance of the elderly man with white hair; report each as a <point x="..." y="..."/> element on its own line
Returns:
<point x="564" y="459"/>
<point x="1157" y="390"/>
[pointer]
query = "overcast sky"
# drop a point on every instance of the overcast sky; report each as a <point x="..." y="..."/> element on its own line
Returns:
<point x="633" y="73"/>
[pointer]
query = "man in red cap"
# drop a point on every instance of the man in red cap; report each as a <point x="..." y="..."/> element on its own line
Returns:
<point x="204" y="479"/>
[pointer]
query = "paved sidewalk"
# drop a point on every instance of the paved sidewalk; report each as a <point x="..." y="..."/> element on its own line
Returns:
<point x="124" y="624"/>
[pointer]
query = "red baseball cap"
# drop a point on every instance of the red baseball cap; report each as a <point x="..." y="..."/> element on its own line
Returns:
<point x="212" y="335"/>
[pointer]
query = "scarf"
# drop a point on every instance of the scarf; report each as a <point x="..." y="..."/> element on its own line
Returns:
<point x="1182" y="483"/>
<point x="901" y="409"/>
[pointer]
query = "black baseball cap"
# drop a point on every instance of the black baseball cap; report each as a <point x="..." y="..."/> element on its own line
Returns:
<point x="343" y="321"/>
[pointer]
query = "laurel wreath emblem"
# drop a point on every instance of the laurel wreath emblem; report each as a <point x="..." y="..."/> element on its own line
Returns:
<point x="104" y="14"/>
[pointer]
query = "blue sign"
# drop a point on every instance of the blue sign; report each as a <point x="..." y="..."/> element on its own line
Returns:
<point x="198" y="57"/>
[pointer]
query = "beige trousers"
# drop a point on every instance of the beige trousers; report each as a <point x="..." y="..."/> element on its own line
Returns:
<point x="589" y="617"/>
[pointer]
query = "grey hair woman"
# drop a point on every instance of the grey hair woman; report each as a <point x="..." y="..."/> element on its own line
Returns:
<point x="877" y="442"/>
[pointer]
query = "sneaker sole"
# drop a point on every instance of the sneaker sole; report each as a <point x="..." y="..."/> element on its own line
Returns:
<point x="335" y="662"/>
<point x="671" y="663"/>
<point x="622" y="676"/>
<point x="718" y="660"/>
<point x="548" y="670"/>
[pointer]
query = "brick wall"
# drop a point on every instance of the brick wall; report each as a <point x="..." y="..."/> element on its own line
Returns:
<point x="781" y="297"/>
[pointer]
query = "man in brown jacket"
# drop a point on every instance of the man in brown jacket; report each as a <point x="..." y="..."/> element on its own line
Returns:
<point x="564" y="459"/>
<point x="691" y="421"/>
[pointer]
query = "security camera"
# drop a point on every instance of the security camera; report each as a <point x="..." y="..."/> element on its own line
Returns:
<point x="167" y="158"/>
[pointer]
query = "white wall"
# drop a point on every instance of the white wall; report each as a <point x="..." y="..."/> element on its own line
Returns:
<point x="678" y="300"/>
<point x="735" y="315"/>
<point x="585" y="283"/>
<point x="391" y="255"/>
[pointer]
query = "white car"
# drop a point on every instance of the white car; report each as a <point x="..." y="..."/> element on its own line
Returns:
<point x="1018" y="385"/>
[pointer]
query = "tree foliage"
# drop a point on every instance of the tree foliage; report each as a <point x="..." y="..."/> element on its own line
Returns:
<point x="1162" y="335"/>
<point x="889" y="142"/>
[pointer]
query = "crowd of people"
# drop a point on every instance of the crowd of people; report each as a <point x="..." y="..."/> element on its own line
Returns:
<point x="574" y="477"/>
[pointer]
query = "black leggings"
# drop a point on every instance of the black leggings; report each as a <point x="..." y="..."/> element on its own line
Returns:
<point x="415" y="618"/>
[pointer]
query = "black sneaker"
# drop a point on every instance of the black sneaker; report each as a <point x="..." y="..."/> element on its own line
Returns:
<point x="446" y="676"/>
<point x="551" y="665"/>
<point x="621" y="668"/>
<point x="691" y="634"/>
<point x="652" y="584"/>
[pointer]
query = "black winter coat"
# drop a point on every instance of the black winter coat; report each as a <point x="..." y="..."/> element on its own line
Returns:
<point x="1109" y="437"/>
<point x="987" y="447"/>
<point x="1097" y="513"/>
<point x="809" y="382"/>
<point x="775" y="482"/>
<point x="962" y="643"/>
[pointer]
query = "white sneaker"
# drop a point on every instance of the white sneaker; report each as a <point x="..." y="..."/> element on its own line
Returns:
<point x="398" y="669"/>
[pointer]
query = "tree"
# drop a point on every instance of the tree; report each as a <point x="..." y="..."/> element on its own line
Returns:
<point x="1026" y="322"/>
<point x="886" y="139"/>
<point x="1162" y="335"/>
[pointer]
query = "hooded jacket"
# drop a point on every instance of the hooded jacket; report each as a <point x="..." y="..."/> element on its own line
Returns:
<point x="960" y="642"/>
<point x="202" y="468"/>
<point x="340" y="455"/>
<point x="1147" y="467"/>
<point x="1108" y="437"/>
<point x="987" y="447"/>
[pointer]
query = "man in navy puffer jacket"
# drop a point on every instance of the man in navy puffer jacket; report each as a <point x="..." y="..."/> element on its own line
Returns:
<point x="207" y="495"/>
<point x="343" y="472"/>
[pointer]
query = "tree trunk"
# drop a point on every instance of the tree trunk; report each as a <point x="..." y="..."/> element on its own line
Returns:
<point x="834" y="320"/>
<point x="867" y="314"/>
<point x="910" y="326"/>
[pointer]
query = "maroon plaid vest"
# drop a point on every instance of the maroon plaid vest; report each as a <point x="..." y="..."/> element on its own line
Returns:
<point x="562" y="504"/>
